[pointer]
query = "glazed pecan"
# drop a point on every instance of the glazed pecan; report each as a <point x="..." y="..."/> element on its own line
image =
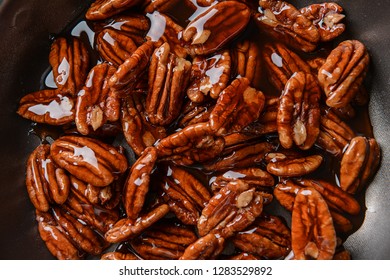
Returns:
<point x="268" y="237"/>
<point x="96" y="104"/>
<point x="158" y="5"/>
<point x="243" y="256"/>
<point x="298" y="117"/>
<point x="209" y="76"/>
<point x="168" y="77"/>
<point x="343" y="72"/>
<point x="102" y="9"/>
<point x="359" y="162"/>
<point x="285" y="166"/>
<point x="70" y="64"/>
<point x="285" y="23"/>
<point x="193" y="113"/>
<point x="119" y="256"/>
<point x="214" y="28"/>
<point x="206" y="247"/>
<point x="327" y="18"/>
<point x="50" y="106"/>
<point x="312" y="232"/>
<point x="46" y="183"/>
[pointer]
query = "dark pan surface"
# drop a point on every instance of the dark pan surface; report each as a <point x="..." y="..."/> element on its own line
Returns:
<point x="25" y="27"/>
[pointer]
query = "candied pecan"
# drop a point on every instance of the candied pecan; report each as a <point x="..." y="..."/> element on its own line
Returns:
<point x="50" y="106"/>
<point x="158" y="5"/>
<point x="358" y="164"/>
<point x="168" y="77"/>
<point x="70" y="63"/>
<point x="119" y="256"/>
<point x="316" y="63"/>
<point x="343" y="72"/>
<point x="237" y="106"/>
<point x="312" y="231"/>
<point x="294" y="167"/>
<point x="88" y="159"/>
<point x="214" y="28"/>
<point x="298" y="117"/>
<point x="193" y="113"/>
<point x="96" y="104"/>
<point x="243" y="256"/>
<point x="268" y="237"/>
<point x="206" y="247"/>
<point x="102" y="9"/>
<point x="45" y="182"/>
<point x="326" y="17"/>
<point x="209" y="76"/>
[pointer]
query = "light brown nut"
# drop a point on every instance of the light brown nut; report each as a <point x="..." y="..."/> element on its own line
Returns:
<point x="96" y="104"/>
<point x="214" y="28"/>
<point x="299" y="113"/>
<point x="343" y="72"/>
<point x="230" y="210"/>
<point x="184" y="194"/>
<point x="50" y="106"/>
<point x="163" y="242"/>
<point x="158" y="5"/>
<point x="168" y="77"/>
<point x="55" y="238"/>
<point x="359" y="163"/>
<point x="90" y="160"/>
<point x="137" y="129"/>
<point x="126" y="228"/>
<point x="70" y="64"/>
<point x="137" y="183"/>
<point x="243" y="256"/>
<point x="312" y="232"/>
<point x="102" y="9"/>
<point x="45" y="182"/>
<point x="207" y="247"/>
<point x="327" y="18"/>
<point x="281" y="64"/>
<point x="209" y="76"/>
<point x="119" y="256"/>
<point x="294" y="167"/>
<point x="237" y="106"/>
<point x="268" y="237"/>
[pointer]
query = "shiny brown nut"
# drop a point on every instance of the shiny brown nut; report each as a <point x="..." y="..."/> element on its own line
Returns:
<point x="268" y="237"/>
<point x="207" y="247"/>
<point x="359" y="163"/>
<point x="90" y="160"/>
<point x="294" y="167"/>
<point x="266" y="123"/>
<point x="96" y="104"/>
<point x="168" y="77"/>
<point x="312" y="232"/>
<point x="237" y="106"/>
<point x="243" y="256"/>
<point x="316" y="63"/>
<point x="230" y="210"/>
<point x="284" y="22"/>
<point x="119" y="256"/>
<point x="343" y="72"/>
<point x="50" y="106"/>
<point x="127" y="228"/>
<point x="102" y="9"/>
<point x="193" y="113"/>
<point x="327" y="18"/>
<point x="209" y="76"/>
<point x="158" y="5"/>
<point x="163" y="242"/>
<point x="45" y="182"/>
<point x="299" y="113"/>
<point x="137" y="183"/>
<point x="214" y="28"/>
<point x="184" y="194"/>
<point x="70" y="64"/>
<point x="281" y="64"/>
<point x="137" y="129"/>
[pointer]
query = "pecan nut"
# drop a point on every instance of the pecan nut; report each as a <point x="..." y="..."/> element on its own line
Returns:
<point x="158" y="5"/>
<point x="119" y="256"/>
<point x="193" y="113"/>
<point x="205" y="248"/>
<point x="243" y="256"/>
<point x="102" y="9"/>
<point x="286" y="166"/>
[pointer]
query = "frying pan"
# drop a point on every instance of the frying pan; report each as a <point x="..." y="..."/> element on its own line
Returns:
<point x="25" y="29"/>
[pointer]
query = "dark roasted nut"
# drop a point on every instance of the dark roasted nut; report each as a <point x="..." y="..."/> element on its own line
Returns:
<point x="205" y="248"/>
<point x="46" y="183"/>
<point x="209" y="76"/>
<point x="268" y="237"/>
<point x="298" y="117"/>
<point x="70" y="64"/>
<point x="119" y="256"/>
<point x="214" y="28"/>
<point x="284" y="22"/>
<point x="158" y="5"/>
<point x="168" y="77"/>
<point x="294" y="167"/>
<point x="343" y="73"/>
<point x="312" y="231"/>
<point x="326" y="17"/>
<point x="102" y="9"/>
<point x="96" y="103"/>
<point x="358" y="164"/>
<point x="88" y="159"/>
<point x="47" y="106"/>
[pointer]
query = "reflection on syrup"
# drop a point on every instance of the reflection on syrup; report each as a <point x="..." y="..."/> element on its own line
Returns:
<point x="56" y="109"/>
<point x="157" y="26"/>
<point x="87" y="155"/>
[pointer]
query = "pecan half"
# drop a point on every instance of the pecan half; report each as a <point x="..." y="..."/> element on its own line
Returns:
<point x="312" y="231"/>
<point x="243" y="256"/>
<point x="102" y="9"/>
<point x="293" y="167"/>
<point x="88" y="159"/>
<point x="343" y="72"/>
<point x="298" y="117"/>
<point x="158" y="5"/>
<point x="206" y="247"/>
<point x="119" y="256"/>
